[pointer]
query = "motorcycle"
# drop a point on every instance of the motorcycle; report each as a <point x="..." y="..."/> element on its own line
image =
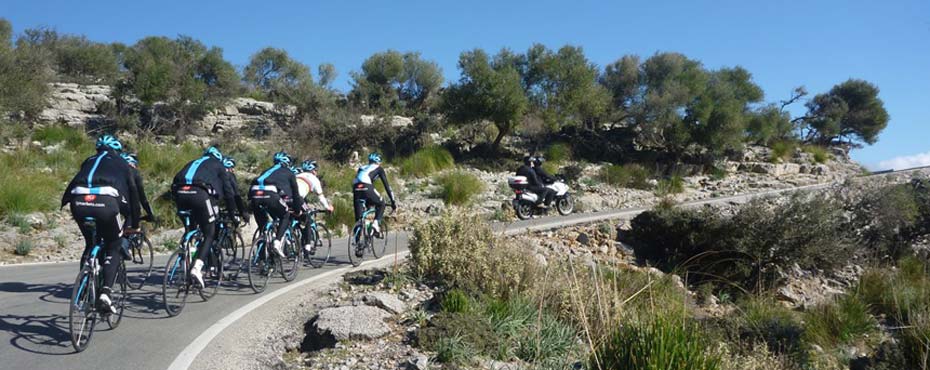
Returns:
<point x="524" y="201"/>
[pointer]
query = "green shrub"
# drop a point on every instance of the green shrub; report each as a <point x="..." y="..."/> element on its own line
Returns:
<point x="337" y="178"/>
<point x="528" y="332"/>
<point x="661" y="344"/>
<point x="27" y="185"/>
<point x="891" y="218"/>
<point x="572" y="173"/>
<point x="671" y="185"/>
<point x="426" y="161"/>
<point x="819" y="153"/>
<point x="763" y="320"/>
<point x="73" y="139"/>
<point x="558" y="152"/>
<point x="782" y="151"/>
<point x="472" y="333"/>
<point x="842" y="321"/>
<point x="458" y="187"/>
<point x="23" y="247"/>
<point x="455" y="301"/>
<point x="460" y="251"/>
<point x="628" y="175"/>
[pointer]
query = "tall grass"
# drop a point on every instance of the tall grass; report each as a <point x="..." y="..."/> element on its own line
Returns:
<point x="843" y="321"/>
<point x="782" y="151"/>
<point x="671" y="185"/>
<point x="558" y="152"/>
<point x="426" y="161"/>
<point x="819" y="153"/>
<point x="660" y="344"/>
<point x="628" y="175"/>
<point x="343" y="214"/>
<point x="458" y="187"/>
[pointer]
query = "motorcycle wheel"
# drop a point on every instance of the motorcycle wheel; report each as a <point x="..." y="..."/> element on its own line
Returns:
<point x="524" y="210"/>
<point x="565" y="204"/>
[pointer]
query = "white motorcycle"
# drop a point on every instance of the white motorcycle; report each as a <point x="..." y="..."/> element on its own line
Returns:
<point x="524" y="201"/>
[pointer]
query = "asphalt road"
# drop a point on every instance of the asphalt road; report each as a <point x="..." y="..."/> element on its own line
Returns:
<point x="34" y="309"/>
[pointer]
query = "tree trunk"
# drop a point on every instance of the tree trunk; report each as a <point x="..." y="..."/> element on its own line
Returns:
<point x="501" y="132"/>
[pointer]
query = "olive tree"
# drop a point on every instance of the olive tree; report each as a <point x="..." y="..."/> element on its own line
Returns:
<point x="850" y="111"/>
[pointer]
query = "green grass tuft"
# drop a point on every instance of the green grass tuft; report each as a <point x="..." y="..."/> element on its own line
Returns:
<point x="782" y="151"/>
<point x="843" y="321"/>
<point x="672" y="185"/>
<point x="23" y="247"/>
<point x="628" y="176"/>
<point x="458" y="187"/>
<point x="663" y="343"/>
<point x="426" y="161"/>
<point x="558" y="152"/>
<point x="456" y="301"/>
<point x="819" y="153"/>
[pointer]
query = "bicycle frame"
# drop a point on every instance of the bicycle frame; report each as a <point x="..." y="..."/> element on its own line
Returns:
<point x="185" y="241"/>
<point x="91" y="261"/>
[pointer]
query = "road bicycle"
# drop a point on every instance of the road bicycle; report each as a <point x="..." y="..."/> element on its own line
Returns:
<point x="229" y="241"/>
<point x="140" y="265"/>
<point x="83" y="312"/>
<point x="363" y="238"/>
<point x="178" y="282"/>
<point x="320" y="238"/>
<point x="264" y="262"/>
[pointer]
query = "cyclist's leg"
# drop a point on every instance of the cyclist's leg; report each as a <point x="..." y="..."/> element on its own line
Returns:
<point x="359" y="195"/>
<point x="261" y="218"/>
<point x="374" y="199"/>
<point x="79" y="213"/>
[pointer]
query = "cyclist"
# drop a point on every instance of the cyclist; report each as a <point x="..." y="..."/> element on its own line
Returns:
<point x="104" y="190"/>
<point x="364" y="191"/>
<point x="197" y="189"/>
<point x="308" y="182"/>
<point x="535" y="184"/>
<point x="230" y="164"/>
<point x="276" y="191"/>
<point x="133" y="160"/>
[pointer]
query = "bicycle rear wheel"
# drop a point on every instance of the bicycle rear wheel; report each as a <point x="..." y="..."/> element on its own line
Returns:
<point x="379" y="245"/>
<point x="260" y="264"/>
<point x="118" y="296"/>
<point x="82" y="315"/>
<point x="357" y="244"/>
<point x="290" y="264"/>
<point x="212" y="273"/>
<point x="140" y="267"/>
<point x="176" y="285"/>
<point x="323" y="242"/>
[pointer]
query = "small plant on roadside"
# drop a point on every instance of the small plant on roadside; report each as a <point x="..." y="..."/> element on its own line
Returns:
<point x="453" y="350"/>
<point x="660" y="344"/>
<point x="458" y="187"/>
<point x="628" y="175"/>
<point x="455" y="301"/>
<point x="19" y="222"/>
<point x="23" y="247"/>
<point x="558" y="152"/>
<point x="669" y="186"/>
<point x="782" y="151"/>
<point x="426" y="161"/>
<point x="843" y="321"/>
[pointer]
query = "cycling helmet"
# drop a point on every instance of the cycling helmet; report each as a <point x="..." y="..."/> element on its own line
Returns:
<point x="308" y="165"/>
<point x="282" y="157"/>
<point x="374" y="158"/>
<point x="109" y="142"/>
<point x="539" y="161"/>
<point x="528" y="160"/>
<point x="130" y="158"/>
<point x="229" y="162"/>
<point x="296" y="170"/>
<point x="214" y="152"/>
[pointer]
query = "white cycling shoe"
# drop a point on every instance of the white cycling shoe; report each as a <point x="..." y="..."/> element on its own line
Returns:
<point x="197" y="274"/>
<point x="106" y="304"/>
<point x="278" y="247"/>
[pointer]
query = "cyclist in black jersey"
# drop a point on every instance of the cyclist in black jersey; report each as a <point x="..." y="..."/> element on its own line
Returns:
<point x="104" y="190"/>
<point x="275" y="193"/>
<point x="364" y="190"/>
<point x="133" y="160"/>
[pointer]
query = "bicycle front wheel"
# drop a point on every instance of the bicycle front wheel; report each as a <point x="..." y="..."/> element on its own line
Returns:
<point x="379" y="245"/>
<point x="140" y="267"/>
<point x="176" y="285"/>
<point x="260" y="265"/>
<point x="357" y="242"/>
<point x="290" y="264"/>
<point x="118" y="297"/>
<point x="82" y="316"/>
<point x="323" y="244"/>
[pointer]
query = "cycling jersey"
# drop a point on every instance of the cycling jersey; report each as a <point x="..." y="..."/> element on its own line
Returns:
<point x="106" y="174"/>
<point x="208" y="173"/>
<point x="278" y="179"/>
<point x="367" y="175"/>
<point x="308" y="183"/>
<point x="144" y="200"/>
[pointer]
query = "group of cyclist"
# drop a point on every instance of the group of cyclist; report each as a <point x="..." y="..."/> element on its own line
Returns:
<point x="108" y="189"/>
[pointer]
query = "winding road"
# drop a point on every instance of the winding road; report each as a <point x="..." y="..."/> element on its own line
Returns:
<point x="34" y="308"/>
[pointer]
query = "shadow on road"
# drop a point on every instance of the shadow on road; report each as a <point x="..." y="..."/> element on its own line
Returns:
<point x="41" y="334"/>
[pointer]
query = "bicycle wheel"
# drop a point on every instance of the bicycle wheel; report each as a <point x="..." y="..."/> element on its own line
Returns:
<point x="82" y="315"/>
<point x="140" y="267"/>
<point x="177" y="283"/>
<point x="260" y="265"/>
<point x="323" y="243"/>
<point x="290" y="264"/>
<point x="379" y="245"/>
<point x="212" y="273"/>
<point x="118" y="296"/>
<point x="357" y="244"/>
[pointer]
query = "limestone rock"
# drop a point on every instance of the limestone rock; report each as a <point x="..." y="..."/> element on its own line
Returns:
<point x="386" y="301"/>
<point x="352" y="322"/>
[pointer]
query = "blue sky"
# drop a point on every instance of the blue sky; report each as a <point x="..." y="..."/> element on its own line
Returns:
<point x="783" y="43"/>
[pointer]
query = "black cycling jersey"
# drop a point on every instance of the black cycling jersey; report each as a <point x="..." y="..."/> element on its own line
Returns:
<point x="284" y="180"/>
<point x="370" y="173"/>
<point x="531" y="177"/>
<point x="209" y="173"/>
<point x="101" y="172"/>
<point x="235" y="184"/>
<point x="144" y="200"/>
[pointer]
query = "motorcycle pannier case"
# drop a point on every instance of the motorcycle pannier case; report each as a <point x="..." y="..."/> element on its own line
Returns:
<point x="518" y="182"/>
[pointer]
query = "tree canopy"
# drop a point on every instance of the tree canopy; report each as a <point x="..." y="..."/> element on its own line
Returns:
<point x="390" y="81"/>
<point x="850" y="111"/>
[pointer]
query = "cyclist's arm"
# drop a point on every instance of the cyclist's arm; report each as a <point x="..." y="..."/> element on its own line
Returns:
<point x="387" y="187"/>
<point x="229" y="192"/>
<point x="135" y="213"/>
<point x="298" y="200"/>
<point x="66" y="197"/>
<point x="144" y="200"/>
<point x="318" y="189"/>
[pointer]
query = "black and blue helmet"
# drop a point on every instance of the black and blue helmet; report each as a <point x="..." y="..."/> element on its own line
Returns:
<point x="282" y="157"/>
<point x="308" y="165"/>
<point x="229" y="162"/>
<point x="130" y="158"/>
<point x="374" y="158"/>
<point x="109" y="142"/>
<point x="214" y="152"/>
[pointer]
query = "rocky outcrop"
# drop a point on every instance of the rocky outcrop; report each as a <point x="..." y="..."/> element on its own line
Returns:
<point x="74" y="104"/>
<point x="352" y="322"/>
<point x="395" y="121"/>
<point x="246" y="114"/>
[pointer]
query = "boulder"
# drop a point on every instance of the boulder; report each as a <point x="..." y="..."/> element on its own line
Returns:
<point x="352" y="322"/>
<point x="386" y="301"/>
